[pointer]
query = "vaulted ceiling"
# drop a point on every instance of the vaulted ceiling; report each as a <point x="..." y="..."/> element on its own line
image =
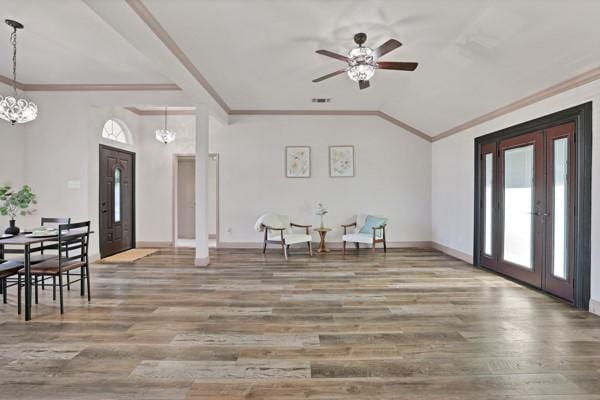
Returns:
<point x="474" y="55"/>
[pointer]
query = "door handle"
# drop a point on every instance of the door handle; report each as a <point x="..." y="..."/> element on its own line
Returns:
<point x="104" y="211"/>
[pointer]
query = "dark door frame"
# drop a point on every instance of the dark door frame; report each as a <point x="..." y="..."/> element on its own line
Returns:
<point x="581" y="115"/>
<point x="133" y="190"/>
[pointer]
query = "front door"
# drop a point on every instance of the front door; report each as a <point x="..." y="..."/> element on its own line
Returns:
<point x="527" y="204"/>
<point x="117" y="172"/>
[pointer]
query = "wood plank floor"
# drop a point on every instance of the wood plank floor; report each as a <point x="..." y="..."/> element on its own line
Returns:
<point x="412" y="324"/>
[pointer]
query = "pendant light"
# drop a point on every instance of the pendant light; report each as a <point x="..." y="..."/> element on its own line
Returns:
<point x="12" y="108"/>
<point x="165" y="135"/>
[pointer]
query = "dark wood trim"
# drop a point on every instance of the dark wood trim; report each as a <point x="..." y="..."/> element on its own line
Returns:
<point x="581" y="115"/>
<point x="133" y="194"/>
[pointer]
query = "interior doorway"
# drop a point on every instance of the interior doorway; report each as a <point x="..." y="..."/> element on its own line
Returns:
<point x="117" y="200"/>
<point x="185" y="201"/>
<point x="533" y="204"/>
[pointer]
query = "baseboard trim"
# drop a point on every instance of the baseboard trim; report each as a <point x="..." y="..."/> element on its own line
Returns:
<point x="595" y="306"/>
<point x="453" y="252"/>
<point x="153" y="244"/>
<point x="202" y="262"/>
<point x="330" y="245"/>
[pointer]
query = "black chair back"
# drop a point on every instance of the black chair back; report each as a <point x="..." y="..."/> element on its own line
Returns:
<point x="51" y="221"/>
<point x="58" y="221"/>
<point x="73" y="242"/>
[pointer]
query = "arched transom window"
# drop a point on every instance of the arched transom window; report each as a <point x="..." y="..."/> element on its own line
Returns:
<point x="115" y="130"/>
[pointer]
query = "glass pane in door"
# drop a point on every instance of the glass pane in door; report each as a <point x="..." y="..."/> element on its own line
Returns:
<point x="117" y="193"/>
<point x="489" y="174"/>
<point x="518" y="205"/>
<point x="559" y="207"/>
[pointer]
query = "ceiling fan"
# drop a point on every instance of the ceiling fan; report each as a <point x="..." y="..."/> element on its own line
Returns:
<point x="363" y="61"/>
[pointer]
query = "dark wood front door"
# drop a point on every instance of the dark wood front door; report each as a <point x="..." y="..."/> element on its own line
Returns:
<point x="527" y="208"/>
<point x="117" y="186"/>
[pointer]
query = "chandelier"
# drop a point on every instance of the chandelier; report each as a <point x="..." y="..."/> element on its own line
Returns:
<point x="165" y="135"/>
<point x="12" y="108"/>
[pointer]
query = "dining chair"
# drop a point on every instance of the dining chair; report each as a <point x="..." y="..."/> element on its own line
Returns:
<point x="72" y="246"/>
<point x="38" y="255"/>
<point x="8" y="269"/>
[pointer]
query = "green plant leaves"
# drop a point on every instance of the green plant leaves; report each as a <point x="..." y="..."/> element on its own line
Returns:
<point x="15" y="203"/>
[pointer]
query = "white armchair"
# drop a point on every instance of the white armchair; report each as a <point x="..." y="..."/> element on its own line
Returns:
<point x="367" y="229"/>
<point x="278" y="230"/>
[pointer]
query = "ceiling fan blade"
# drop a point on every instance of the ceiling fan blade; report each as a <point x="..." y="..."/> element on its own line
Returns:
<point x="333" y="55"/>
<point x="363" y="84"/>
<point x="399" y="66"/>
<point x="385" y="48"/>
<point x="322" y="78"/>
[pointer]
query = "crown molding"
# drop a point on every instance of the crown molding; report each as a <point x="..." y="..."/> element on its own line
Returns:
<point x="148" y="18"/>
<point x="7" y="81"/>
<point x="373" y="113"/>
<point x="89" y="87"/>
<point x="140" y="112"/>
<point x="578" y="80"/>
<point x="140" y="9"/>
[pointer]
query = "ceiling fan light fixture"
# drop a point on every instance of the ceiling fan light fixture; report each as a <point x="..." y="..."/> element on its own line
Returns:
<point x="361" y="64"/>
<point x="362" y="72"/>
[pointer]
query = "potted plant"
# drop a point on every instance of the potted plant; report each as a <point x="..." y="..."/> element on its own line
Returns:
<point x="13" y="203"/>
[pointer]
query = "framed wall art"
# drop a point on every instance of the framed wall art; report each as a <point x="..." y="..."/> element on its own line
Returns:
<point x="341" y="161"/>
<point x="297" y="161"/>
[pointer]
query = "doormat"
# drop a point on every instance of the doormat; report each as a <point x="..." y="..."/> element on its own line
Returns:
<point x="128" y="256"/>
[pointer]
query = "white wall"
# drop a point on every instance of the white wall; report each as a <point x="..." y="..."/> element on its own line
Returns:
<point x="61" y="145"/>
<point x="452" y="174"/>
<point x="213" y="196"/>
<point x="12" y="159"/>
<point x="393" y="174"/>
<point x="155" y="174"/>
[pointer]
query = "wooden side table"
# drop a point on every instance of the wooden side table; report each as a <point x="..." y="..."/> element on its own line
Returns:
<point x="322" y="234"/>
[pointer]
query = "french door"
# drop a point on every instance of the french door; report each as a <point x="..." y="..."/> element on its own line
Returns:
<point x="527" y="208"/>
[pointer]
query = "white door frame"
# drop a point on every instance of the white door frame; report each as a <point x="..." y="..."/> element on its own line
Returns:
<point x="176" y="158"/>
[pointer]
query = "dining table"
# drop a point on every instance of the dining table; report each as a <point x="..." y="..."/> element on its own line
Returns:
<point x="26" y="241"/>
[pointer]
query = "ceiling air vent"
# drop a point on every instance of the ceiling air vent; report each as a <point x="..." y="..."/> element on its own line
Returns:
<point x="321" y="100"/>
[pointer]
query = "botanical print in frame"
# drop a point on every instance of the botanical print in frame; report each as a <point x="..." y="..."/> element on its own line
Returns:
<point x="297" y="161"/>
<point x="341" y="161"/>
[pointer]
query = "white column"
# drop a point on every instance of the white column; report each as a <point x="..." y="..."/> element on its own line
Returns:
<point x="202" y="258"/>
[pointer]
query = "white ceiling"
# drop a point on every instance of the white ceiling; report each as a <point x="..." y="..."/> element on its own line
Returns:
<point x="474" y="55"/>
<point x="64" y="41"/>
